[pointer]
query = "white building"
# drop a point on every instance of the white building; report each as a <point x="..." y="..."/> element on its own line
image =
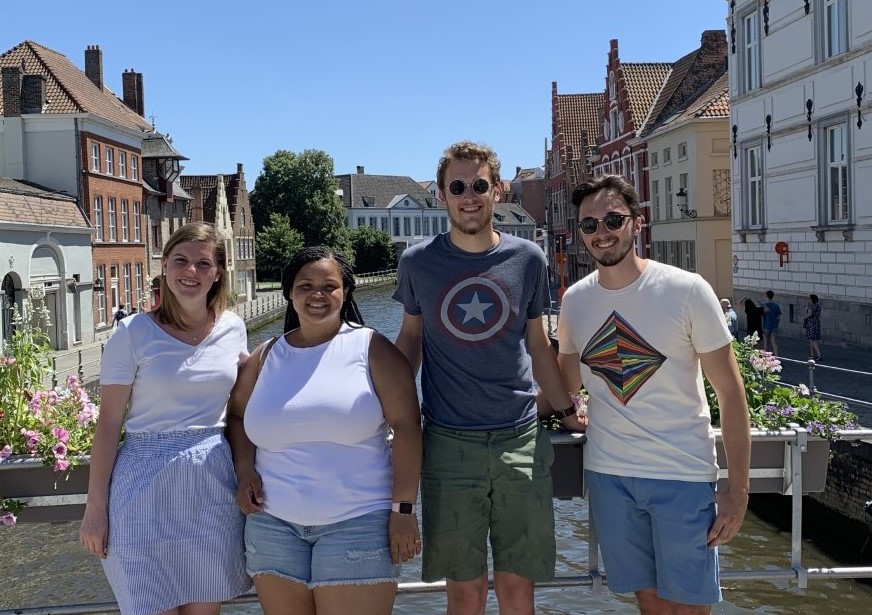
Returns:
<point x="801" y="151"/>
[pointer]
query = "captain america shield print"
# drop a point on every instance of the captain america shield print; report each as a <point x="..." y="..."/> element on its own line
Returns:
<point x="475" y="309"/>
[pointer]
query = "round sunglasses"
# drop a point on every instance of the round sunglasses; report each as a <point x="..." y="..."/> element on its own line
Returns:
<point x="479" y="186"/>
<point x="612" y="221"/>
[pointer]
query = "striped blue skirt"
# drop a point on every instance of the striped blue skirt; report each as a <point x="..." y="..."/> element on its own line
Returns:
<point x="175" y="531"/>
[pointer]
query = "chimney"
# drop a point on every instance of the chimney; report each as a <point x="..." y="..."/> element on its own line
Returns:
<point x="517" y="171"/>
<point x="131" y="89"/>
<point x="11" y="78"/>
<point x="33" y="94"/>
<point x="239" y="168"/>
<point x="360" y="170"/>
<point x="94" y="65"/>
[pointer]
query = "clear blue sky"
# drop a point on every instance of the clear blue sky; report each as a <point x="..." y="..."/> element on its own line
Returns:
<point x="385" y="84"/>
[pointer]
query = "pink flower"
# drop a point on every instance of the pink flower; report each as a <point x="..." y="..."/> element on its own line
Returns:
<point x="60" y="450"/>
<point x="9" y="519"/>
<point x="10" y="360"/>
<point x="61" y="465"/>
<point x="72" y="381"/>
<point x="61" y="434"/>
<point x="5" y="452"/>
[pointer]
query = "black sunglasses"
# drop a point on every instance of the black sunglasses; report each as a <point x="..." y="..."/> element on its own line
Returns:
<point x="479" y="186"/>
<point x="612" y="221"/>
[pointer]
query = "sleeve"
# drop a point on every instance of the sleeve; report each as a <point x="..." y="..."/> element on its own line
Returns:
<point x="565" y="340"/>
<point x="243" y="342"/>
<point x="118" y="364"/>
<point x="404" y="292"/>
<point x="540" y="299"/>
<point x="708" y="327"/>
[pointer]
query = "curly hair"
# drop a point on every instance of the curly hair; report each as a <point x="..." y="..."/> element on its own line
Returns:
<point x="467" y="150"/>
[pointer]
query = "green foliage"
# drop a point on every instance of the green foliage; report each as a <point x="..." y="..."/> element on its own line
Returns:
<point x="773" y="405"/>
<point x="373" y="250"/>
<point x="302" y="188"/>
<point x="276" y="244"/>
<point x="52" y="425"/>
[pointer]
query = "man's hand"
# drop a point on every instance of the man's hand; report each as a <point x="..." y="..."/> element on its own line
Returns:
<point x="731" y="512"/>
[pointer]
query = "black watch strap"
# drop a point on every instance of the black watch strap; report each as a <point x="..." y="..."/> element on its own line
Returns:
<point x="562" y="414"/>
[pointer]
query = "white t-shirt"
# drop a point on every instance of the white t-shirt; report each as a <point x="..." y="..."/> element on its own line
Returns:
<point x="176" y="386"/>
<point x="320" y="432"/>
<point x="639" y="348"/>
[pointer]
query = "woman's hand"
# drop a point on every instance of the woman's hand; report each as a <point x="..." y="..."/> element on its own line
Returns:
<point x="404" y="537"/>
<point x="94" y="531"/>
<point x="249" y="494"/>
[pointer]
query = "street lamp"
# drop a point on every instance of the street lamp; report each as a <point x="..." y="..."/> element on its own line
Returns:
<point x="682" y="203"/>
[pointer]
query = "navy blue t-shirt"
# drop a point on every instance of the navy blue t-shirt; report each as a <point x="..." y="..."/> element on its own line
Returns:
<point x="476" y="372"/>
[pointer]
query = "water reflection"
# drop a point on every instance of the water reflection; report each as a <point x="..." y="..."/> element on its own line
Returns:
<point x="43" y="565"/>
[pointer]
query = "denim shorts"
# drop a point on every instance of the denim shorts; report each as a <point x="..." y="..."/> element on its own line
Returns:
<point x="351" y="552"/>
<point x="654" y="535"/>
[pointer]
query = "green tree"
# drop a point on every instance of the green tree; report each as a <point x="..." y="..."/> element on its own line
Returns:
<point x="373" y="250"/>
<point x="302" y="188"/>
<point x="276" y="244"/>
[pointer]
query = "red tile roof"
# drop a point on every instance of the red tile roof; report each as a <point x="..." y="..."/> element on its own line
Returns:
<point x="643" y="81"/>
<point x="578" y="113"/>
<point x="714" y="102"/>
<point x="68" y="89"/>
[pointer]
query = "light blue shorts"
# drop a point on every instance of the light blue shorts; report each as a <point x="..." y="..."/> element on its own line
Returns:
<point x="653" y="534"/>
<point x="351" y="552"/>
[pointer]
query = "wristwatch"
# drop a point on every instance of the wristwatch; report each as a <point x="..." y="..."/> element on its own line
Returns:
<point x="562" y="414"/>
<point x="404" y="508"/>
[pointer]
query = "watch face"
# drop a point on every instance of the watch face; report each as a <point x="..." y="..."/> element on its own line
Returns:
<point x="406" y="508"/>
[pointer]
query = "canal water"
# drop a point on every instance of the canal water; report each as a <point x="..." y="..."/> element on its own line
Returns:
<point x="42" y="564"/>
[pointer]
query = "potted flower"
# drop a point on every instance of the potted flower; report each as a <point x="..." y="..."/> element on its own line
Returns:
<point x="43" y="432"/>
<point x="775" y="408"/>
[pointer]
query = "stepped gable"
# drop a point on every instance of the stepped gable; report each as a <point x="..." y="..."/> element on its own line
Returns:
<point x="364" y="190"/>
<point x="68" y="89"/>
<point x="578" y="114"/>
<point x="25" y="202"/>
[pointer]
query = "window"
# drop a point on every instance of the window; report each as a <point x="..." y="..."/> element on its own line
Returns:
<point x="137" y="232"/>
<point x="654" y="158"/>
<point x="407" y="226"/>
<point x="138" y="283"/>
<point x="373" y="222"/>
<point x="396" y="227"/>
<point x="125" y="228"/>
<point x="128" y="297"/>
<point x="682" y="151"/>
<point x="426" y="226"/>
<point x="682" y="182"/>
<point x="134" y="167"/>
<point x="835" y="27"/>
<point x="384" y="224"/>
<point x="110" y="161"/>
<point x="417" y="227"/>
<point x="613" y="123"/>
<point x="156" y="242"/>
<point x="751" y="51"/>
<point x="837" y="174"/>
<point x="101" y="295"/>
<point x="95" y="157"/>
<point x="754" y="186"/>
<point x="98" y="218"/>
<point x="667" y="192"/>
<point x="655" y="199"/>
<point x="122" y="164"/>
<point x="361" y="221"/>
<point x="444" y="225"/>
<point x="667" y="155"/>
<point x="112" y="234"/>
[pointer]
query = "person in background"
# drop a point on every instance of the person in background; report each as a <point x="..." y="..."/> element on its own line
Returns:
<point x="731" y="317"/>
<point x="119" y="315"/>
<point x="771" y="318"/>
<point x="637" y="333"/>
<point x="330" y="504"/>
<point x="473" y="301"/>
<point x="811" y="324"/>
<point x="753" y="319"/>
<point x="161" y="511"/>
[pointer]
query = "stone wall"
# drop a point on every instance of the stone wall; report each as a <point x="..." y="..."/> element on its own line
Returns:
<point x="849" y="481"/>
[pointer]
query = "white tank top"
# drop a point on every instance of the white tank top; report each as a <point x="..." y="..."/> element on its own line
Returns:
<point x="320" y="432"/>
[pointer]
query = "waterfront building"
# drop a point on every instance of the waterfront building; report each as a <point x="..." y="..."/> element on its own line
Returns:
<point x="801" y="156"/>
<point x="222" y="200"/>
<point x="395" y="204"/>
<point x="46" y="242"/>
<point x="512" y="219"/>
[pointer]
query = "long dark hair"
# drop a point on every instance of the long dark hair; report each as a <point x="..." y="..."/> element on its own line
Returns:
<point x="348" y="313"/>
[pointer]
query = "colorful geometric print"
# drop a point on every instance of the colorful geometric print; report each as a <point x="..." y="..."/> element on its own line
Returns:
<point x="619" y="355"/>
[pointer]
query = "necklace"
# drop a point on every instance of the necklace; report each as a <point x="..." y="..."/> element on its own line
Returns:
<point x="207" y="326"/>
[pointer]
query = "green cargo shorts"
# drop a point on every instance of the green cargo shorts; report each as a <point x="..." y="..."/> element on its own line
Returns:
<point x="475" y="482"/>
